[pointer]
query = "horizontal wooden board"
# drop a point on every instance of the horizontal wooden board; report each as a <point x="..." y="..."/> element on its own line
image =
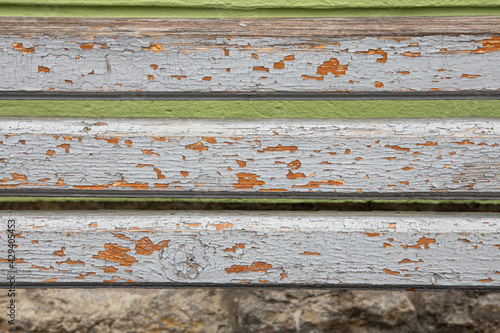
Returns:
<point x="253" y="56"/>
<point x="241" y="248"/>
<point x="374" y="158"/>
<point x="250" y="27"/>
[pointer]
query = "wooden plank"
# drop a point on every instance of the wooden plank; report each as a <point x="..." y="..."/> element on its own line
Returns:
<point x="252" y="56"/>
<point x="403" y="158"/>
<point x="251" y="27"/>
<point x="223" y="248"/>
<point x="391" y="6"/>
<point x="375" y="158"/>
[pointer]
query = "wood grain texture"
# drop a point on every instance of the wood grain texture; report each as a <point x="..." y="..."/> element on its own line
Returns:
<point x="251" y="27"/>
<point x="333" y="250"/>
<point x="383" y="158"/>
<point x="341" y="55"/>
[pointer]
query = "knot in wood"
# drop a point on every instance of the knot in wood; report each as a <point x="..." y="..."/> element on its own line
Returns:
<point x="183" y="260"/>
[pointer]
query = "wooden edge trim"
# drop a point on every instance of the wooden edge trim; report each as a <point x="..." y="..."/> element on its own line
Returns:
<point x="257" y="27"/>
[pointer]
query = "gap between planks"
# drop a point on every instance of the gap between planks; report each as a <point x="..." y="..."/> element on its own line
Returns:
<point x="164" y="204"/>
<point x="250" y="96"/>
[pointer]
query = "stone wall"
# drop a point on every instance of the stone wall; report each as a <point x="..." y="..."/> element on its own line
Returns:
<point x="252" y="310"/>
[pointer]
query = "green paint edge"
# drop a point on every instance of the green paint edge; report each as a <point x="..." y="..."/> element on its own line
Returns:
<point x="252" y="4"/>
<point x="149" y="11"/>
<point x="253" y="109"/>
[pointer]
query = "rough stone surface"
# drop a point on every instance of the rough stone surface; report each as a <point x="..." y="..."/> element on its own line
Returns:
<point x="258" y="310"/>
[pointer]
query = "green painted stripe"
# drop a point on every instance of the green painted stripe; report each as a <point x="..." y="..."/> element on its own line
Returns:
<point x="148" y="11"/>
<point x="42" y="203"/>
<point x="253" y="109"/>
<point x="242" y="201"/>
<point x="251" y="4"/>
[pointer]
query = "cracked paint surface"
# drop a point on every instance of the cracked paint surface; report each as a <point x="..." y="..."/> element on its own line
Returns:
<point x="295" y="157"/>
<point x="126" y="63"/>
<point x="392" y="248"/>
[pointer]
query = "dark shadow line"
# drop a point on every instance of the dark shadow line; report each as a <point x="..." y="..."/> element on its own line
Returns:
<point x="257" y="96"/>
<point x="177" y="285"/>
<point x="251" y="195"/>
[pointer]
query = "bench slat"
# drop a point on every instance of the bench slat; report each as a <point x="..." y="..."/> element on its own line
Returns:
<point x="332" y="250"/>
<point x="176" y="58"/>
<point x="413" y="158"/>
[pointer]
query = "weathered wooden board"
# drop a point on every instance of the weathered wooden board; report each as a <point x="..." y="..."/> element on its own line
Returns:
<point x="221" y="248"/>
<point x="383" y="158"/>
<point x="165" y="58"/>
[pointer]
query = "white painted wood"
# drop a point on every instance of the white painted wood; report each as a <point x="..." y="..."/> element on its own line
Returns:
<point x="438" y="158"/>
<point x="452" y="158"/>
<point x="329" y="249"/>
<point x="253" y="57"/>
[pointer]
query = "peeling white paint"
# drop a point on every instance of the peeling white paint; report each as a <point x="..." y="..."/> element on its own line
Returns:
<point x="424" y="157"/>
<point x="233" y="248"/>
<point x="124" y="63"/>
